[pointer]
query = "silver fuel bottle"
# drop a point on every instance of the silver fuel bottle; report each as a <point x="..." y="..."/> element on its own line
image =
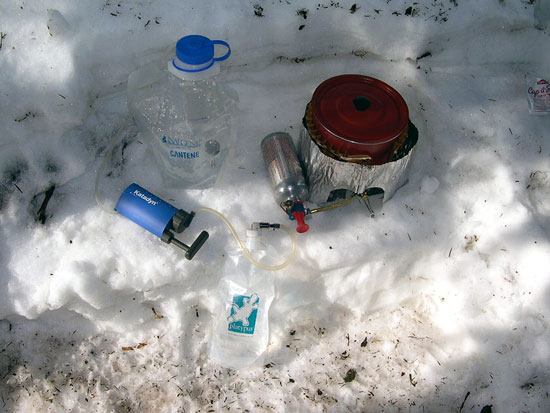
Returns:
<point x="283" y="166"/>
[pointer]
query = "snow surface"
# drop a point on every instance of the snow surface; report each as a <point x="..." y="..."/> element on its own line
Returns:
<point x="440" y="304"/>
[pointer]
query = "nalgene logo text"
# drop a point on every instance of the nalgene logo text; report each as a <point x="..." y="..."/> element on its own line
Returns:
<point x="242" y="317"/>
<point x="181" y="143"/>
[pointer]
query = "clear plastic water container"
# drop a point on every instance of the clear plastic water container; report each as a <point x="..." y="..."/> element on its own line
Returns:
<point x="186" y="111"/>
<point x="241" y="327"/>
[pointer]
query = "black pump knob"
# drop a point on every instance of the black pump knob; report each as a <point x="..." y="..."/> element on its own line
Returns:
<point x="190" y="251"/>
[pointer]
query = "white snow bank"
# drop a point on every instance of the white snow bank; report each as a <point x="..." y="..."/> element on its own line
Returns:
<point x="440" y="302"/>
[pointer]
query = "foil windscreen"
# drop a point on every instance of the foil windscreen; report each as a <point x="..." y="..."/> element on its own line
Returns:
<point x="325" y="174"/>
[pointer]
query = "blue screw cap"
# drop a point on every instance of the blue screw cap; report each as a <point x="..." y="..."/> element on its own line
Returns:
<point x="199" y="50"/>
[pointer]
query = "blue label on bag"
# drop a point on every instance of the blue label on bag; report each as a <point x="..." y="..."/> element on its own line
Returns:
<point x="242" y="317"/>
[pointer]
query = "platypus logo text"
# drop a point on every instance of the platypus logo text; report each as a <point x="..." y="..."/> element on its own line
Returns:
<point x="244" y="309"/>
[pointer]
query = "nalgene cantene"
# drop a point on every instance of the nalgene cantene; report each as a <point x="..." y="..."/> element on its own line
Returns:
<point x="186" y="112"/>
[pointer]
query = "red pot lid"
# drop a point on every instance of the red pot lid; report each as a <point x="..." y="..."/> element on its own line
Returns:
<point x="354" y="111"/>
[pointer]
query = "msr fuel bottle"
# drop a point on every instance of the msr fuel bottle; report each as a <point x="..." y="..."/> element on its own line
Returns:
<point x="286" y="176"/>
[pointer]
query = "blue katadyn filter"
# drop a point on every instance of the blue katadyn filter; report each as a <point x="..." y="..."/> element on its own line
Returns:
<point x="158" y="217"/>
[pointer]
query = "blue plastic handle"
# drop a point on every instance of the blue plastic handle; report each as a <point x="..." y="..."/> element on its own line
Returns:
<point x="225" y="56"/>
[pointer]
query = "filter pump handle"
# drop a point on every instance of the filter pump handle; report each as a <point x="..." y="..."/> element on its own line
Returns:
<point x="190" y="251"/>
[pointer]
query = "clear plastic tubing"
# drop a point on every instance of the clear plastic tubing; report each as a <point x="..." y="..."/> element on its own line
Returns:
<point x="245" y="251"/>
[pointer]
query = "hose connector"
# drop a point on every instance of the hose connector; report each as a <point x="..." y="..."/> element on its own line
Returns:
<point x="264" y="225"/>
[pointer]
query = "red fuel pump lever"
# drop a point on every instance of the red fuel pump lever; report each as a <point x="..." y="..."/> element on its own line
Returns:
<point x="298" y="213"/>
<point x="302" y="226"/>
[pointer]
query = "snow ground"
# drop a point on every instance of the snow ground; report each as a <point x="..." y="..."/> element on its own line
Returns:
<point x="440" y="304"/>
